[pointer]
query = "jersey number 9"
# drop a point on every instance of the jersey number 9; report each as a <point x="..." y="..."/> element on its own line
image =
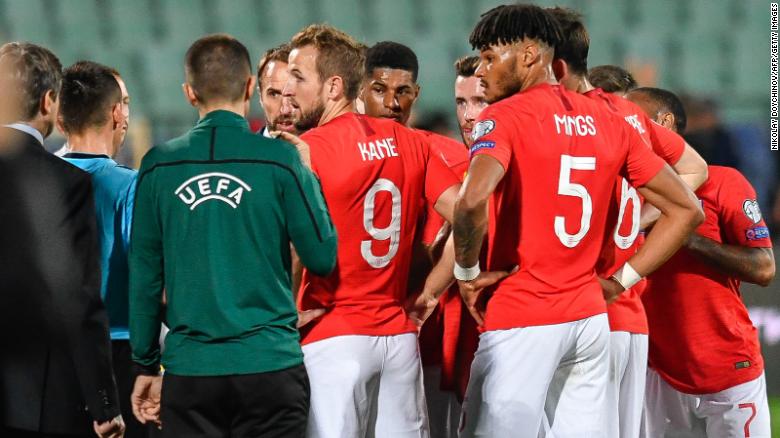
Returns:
<point x="392" y="231"/>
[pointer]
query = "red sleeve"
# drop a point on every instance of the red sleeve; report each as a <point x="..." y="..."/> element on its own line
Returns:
<point x="741" y="222"/>
<point x="493" y="136"/>
<point x="641" y="163"/>
<point x="438" y="178"/>
<point x="433" y="224"/>
<point x="666" y="144"/>
<point x="312" y="140"/>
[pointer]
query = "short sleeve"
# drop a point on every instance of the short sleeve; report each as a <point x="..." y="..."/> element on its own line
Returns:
<point x="641" y="163"/>
<point x="493" y="136"/>
<point x="438" y="177"/>
<point x="741" y="222"/>
<point x="432" y="226"/>
<point x="666" y="144"/>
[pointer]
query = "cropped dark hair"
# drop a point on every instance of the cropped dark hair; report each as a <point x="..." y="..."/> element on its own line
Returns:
<point x="280" y="53"/>
<point x="507" y="24"/>
<point x="667" y="102"/>
<point x="89" y="91"/>
<point x="612" y="79"/>
<point x="575" y="41"/>
<point x="27" y="72"/>
<point x="217" y="67"/>
<point x="389" y="54"/>
<point x="466" y="66"/>
<point x="338" y="54"/>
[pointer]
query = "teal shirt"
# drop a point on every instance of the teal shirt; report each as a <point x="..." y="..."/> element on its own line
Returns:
<point x="114" y="190"/>
<point x="216" y="211"/>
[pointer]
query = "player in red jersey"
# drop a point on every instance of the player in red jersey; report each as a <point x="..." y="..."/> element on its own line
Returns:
<point x="390" y="90"/>
<point x="540" y="184"/>
<point x="362" y="355"/>
<point x="271" y="78"/>
<point x="612" y="79"/>
<point x="706" y="376"/>
<point x="627" y="320"/>
<point x="469" y="96"/>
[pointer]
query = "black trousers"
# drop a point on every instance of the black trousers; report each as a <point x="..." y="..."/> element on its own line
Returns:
<point x="16" y="433"/>
<point x="125" y="379"/>
<point x="267" y="405"/>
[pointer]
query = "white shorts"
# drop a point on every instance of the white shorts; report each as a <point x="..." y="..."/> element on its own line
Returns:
<point x="443" y="406"/>
<point x="365" y="387"/>
<point x="740" y="411"/>
<point x="626" y="391"/>
<point x="540" y="380"/>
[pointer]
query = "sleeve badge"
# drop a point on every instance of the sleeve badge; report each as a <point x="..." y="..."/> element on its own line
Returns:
<point x="750" y="207"/>
<point x="483" y="128"/>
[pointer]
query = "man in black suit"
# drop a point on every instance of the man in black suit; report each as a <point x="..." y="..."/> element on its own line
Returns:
<point x="55" y="358"/>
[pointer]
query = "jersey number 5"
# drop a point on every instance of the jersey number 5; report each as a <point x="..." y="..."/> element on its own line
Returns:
<point x="392" y="231"/>
<point x="568" y="188"/>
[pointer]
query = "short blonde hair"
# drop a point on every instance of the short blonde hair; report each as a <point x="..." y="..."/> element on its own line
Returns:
<point x="338" y="54"/>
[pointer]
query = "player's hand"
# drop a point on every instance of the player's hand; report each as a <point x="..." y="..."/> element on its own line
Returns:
<point x="470" y="291"/>
<point x="146" y="399"/>
<point x="307" y="316"/>
<point x="302" y="146"/>
<point x="419" y="307"/>
<point x="611" y="289"/>
<point x="113" y="428"/>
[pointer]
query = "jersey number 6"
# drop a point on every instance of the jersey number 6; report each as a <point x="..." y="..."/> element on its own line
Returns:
<point x="392" y="231"/>
<point x="628" y="193"/>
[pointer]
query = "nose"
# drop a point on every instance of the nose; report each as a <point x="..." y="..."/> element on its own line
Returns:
<point x="390" y="100"/>
<point x="287" y="106"/>
<point x="472" y="111"/>
<point x="480" y="71"/>
<point x="288" y="89"/>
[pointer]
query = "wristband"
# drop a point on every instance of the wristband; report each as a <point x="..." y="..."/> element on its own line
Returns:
<point x="626" y="276"/>
<point x="466" y="274"/>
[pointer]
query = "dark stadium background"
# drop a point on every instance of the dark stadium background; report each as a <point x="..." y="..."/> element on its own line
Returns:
<point x="714" y="52"/>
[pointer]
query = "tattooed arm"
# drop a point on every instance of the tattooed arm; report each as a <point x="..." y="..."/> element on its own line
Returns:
<point x="470" y="225"/>
<point x="754" y="265"/>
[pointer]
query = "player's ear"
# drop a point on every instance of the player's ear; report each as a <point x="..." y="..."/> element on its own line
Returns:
<point x="189" y="94"/>
<point x="667" y="120"/>
<point x="116" y="116"/>
<point x="335" y="87"/>
<point x="250" y="87"/>
<point x="530" y="52"/>
<point x="560" y="69"/>
<point x="48" y="103"/>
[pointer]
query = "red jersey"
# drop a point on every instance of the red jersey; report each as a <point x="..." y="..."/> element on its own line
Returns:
<point x="627" y="313"/>
<point x="701" y="338"/>
<point x="561" y="152"/>
<point x="456" y="156"/>
<point x="373" y="174"/>
<point x="449" y="336"/>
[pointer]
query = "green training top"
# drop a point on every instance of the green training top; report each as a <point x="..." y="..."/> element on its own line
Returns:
<point x="215" y="212"/>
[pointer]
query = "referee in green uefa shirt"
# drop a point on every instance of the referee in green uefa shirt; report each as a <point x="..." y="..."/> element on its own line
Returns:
<point x="215" y="213"/>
